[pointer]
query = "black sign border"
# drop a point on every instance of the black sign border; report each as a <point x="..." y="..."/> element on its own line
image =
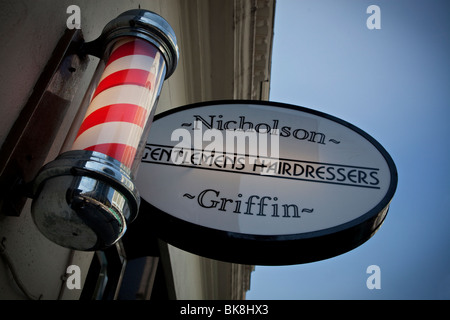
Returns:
<point x="262" y="249"/>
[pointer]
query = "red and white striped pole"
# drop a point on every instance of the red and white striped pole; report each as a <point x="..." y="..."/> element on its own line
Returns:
<point x="84" y="198"/>
<point x="123" y="101"/>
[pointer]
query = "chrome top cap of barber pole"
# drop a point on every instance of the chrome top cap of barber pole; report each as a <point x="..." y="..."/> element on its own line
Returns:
<point x="143" y="24"/>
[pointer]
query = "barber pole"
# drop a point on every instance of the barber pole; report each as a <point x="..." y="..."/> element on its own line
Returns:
<point x="85" y="198"/>
<point x="123" y="101"/>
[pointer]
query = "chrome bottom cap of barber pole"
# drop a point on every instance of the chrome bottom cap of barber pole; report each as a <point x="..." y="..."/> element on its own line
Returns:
<point x="83" y="200"/>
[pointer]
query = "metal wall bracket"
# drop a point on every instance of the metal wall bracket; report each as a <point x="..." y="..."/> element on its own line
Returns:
<point x="26" y="147"/>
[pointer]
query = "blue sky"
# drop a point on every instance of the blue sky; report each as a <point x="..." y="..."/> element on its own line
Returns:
<point x="393" y="83"/>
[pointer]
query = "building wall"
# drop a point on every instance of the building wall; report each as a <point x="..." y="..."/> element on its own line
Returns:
<point x="219" y="51"/>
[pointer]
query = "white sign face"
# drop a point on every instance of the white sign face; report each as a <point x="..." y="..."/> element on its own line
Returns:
<point x="254" y="169"/>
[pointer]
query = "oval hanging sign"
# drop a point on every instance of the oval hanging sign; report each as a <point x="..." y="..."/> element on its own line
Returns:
<point x="266" y="183"/>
